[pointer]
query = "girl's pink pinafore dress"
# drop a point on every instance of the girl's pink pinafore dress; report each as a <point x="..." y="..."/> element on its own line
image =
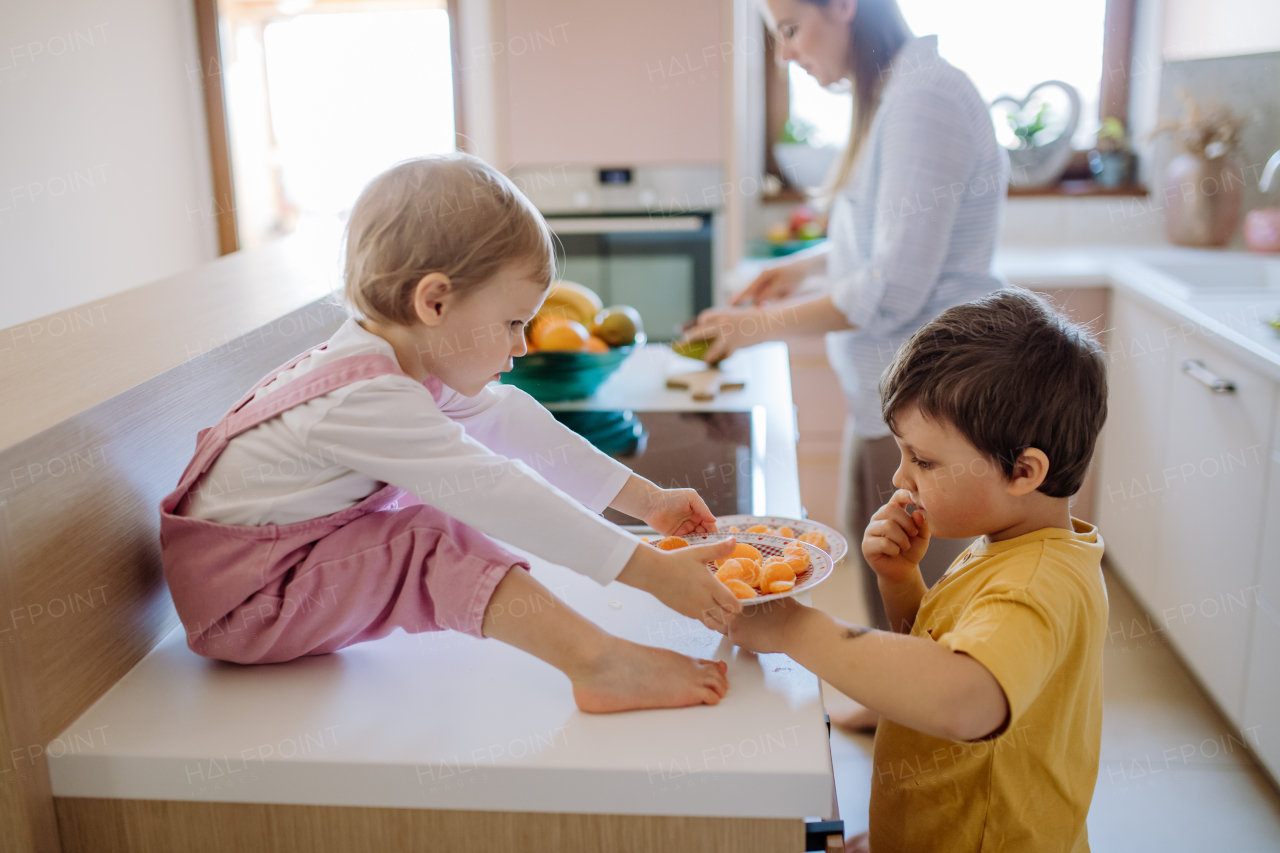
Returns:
<point x="270" y="593"/>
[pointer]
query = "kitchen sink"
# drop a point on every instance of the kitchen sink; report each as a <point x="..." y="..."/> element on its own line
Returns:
<point x="1225" y="275"/>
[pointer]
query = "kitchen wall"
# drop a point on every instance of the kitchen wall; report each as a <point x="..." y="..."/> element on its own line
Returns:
<point x="1198" y="29"/>
<point x="104" y="175"/>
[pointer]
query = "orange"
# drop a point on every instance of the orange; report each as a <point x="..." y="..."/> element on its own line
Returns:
<point x="556" y="334"/>
<point x="774" y="572"/>
<point x="743" y="550"/>
<point x="787" y="532"/>
<point x="740" y="589"/>
<point x="671" y="543"/>
<point x="815" y="537"/>
<point x="594" y="344"/>
<point x="759" y="528"/>
<point x="742" y="570"/>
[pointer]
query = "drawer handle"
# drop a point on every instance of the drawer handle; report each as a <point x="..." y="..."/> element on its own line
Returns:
<point x="1197" y="371"/>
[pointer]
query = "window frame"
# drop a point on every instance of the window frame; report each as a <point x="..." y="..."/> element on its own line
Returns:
<point x="215" y="111"/>
<point x="1113" y="101"/>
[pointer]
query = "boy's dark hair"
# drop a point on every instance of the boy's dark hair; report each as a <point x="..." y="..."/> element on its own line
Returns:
<point x="1009" y="372"/>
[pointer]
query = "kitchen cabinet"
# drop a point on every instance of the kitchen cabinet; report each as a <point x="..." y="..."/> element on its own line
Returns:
<point x="1182" y="488"/>
<point x="1130" y="496"/>
<point x="1261" y="715"/>
<point x="1214" y="477"/>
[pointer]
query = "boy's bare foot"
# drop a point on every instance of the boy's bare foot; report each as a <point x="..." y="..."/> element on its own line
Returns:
<point x="628" y="676"/>
<point x="859" y="720"/>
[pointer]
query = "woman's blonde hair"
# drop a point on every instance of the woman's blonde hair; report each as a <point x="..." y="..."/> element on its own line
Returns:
<point x="453" y="214"/>
<point x="876" y="33"/>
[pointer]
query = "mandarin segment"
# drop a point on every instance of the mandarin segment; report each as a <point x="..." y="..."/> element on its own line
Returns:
<point x="735" y="569"/>
<point x="671" y="543"/>
<point x="740" y="589"/>
<point x="776" y="571"/>
<point x="815" y="538"/>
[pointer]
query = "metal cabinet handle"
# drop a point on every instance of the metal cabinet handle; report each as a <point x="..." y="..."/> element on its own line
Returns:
<point x="1197" y="371"/>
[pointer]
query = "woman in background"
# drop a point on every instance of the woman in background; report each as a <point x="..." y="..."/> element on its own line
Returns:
<point x="915" y="209"/>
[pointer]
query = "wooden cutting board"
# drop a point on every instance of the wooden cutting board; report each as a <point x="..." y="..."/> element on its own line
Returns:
<point x="704" y="385"/>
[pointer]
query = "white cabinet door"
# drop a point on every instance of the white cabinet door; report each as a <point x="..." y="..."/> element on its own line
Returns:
<point x="1261" y="718"/>
<point x="1130" y="491"/>
<point x="1214" y="480"/>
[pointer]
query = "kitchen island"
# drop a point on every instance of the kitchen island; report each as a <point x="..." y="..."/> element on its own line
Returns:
<point x="443" y="739"/>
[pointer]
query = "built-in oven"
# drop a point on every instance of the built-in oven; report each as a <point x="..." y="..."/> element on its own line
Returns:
<point x="647" y="237"/>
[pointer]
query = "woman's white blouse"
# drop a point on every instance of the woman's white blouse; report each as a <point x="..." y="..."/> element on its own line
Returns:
<point x="913" y="232"/>
<point x="499" y="462"/>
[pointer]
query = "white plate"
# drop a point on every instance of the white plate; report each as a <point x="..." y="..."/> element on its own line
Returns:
<point x="820" y="562"/>
<point x="837" y="546"/>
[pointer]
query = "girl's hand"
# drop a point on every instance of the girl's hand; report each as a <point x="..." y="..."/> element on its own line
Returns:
<point x="894" y="542"/>
<point x="766" y="627"/>
<point x="681" y="580"/>
<point x="729" y="328"/>
<point x="774" y="283"/>
<point x="678" y="512"/>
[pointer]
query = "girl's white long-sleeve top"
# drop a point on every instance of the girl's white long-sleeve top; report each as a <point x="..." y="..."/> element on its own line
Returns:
<point x="499" y="462"/>
<point x="914" y="230"/>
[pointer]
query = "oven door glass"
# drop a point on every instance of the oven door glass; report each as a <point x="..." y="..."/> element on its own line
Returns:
<point x="659" y="265"/>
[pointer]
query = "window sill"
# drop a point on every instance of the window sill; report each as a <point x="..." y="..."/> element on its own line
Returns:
<point x="1078" y="188"/>
<point x="1063" y="189"/>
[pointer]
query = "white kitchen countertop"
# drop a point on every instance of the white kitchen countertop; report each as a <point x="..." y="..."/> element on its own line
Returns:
<point x="446" y="721"/>
<point x="1232" y="318"/>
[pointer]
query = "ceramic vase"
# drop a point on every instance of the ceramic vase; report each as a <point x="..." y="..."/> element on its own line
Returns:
<point x="1203" y="199"/>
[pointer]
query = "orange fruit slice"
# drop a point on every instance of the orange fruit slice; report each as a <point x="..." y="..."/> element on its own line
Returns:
<point x="740" y="589"/>
<point x="787" y="532"/>
<point x="671" y="543"/>
<point x="781" y="586"/>
<point x="758" y="528"/>
<point x="735" y="569"/>
<point x="775" y="571"/>
<point x="743" y="550"/>
<point x="815" y="538"/>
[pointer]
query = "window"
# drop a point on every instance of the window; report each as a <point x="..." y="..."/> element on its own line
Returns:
<point x="1006" y="47"/>
<point x="321" y="96"/>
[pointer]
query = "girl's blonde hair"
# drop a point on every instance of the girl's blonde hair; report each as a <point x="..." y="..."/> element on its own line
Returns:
<point x="453" y="214"/>
<point x="876" y="33"/>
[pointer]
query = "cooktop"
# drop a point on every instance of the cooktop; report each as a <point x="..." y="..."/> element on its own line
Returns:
<point x="719" y="454"/>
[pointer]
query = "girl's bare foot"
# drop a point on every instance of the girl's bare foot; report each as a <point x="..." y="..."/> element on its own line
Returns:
<point x="628" y="676"/>
<point x="859" y="720"/>
<point x="608" y="673"/>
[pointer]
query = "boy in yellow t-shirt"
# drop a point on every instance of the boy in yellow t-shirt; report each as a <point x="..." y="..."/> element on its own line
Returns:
<point x="990" y="687"/>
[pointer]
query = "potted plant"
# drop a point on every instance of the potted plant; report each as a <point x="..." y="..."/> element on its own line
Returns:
<point x="1202" y="183"/>
<point x="1038" y="157"/>
<point x="803" y="164"/>
<point x="1111" y="160"/>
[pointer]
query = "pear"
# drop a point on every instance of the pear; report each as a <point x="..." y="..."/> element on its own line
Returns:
<point x="618" y="325"/>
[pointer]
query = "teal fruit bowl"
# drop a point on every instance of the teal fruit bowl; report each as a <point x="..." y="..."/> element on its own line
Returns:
<point x="550" y="377"/>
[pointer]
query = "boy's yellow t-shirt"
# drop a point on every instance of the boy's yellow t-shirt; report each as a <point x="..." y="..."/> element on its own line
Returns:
<point x="1033" y="611"/>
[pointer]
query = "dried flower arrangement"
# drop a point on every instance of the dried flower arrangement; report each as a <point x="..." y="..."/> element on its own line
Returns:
<point x="1210" y="134"/>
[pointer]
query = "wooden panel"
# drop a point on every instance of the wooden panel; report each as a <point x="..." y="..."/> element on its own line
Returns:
<point x="145" y="826"/>
<point x="82" y="596"/>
